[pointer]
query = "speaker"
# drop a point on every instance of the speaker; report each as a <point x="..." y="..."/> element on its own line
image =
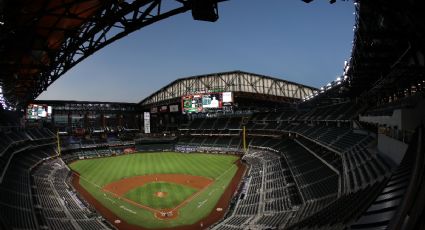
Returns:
<point x="204" y="10"/>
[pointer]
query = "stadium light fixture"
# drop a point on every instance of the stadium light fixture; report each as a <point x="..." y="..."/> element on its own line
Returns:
<point x="204" y="10"/>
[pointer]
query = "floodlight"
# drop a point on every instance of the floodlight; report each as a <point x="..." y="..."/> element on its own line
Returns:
<point x="204" y="10"/>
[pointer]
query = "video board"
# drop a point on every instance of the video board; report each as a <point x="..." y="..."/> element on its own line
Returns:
<point x="197" y="103"/>
<point x="35" y="112"/>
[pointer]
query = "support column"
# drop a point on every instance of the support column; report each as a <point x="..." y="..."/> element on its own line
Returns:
<point x="70" y="120"/>
<point x="102" y="121"/>
<point x="86" y="121"/>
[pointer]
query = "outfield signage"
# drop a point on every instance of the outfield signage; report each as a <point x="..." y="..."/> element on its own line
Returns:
<point x="174" y="108"/>
<point x="163" y="109"/>
<point x="147" y="122"/>
<point x="227" y="97"/>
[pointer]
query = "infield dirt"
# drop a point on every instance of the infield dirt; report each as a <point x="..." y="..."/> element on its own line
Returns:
<point x="121" y="187"/>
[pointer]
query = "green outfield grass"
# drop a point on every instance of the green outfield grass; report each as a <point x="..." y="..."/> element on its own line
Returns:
<point x="95" y="173"/>
<point x="175" y="194"/>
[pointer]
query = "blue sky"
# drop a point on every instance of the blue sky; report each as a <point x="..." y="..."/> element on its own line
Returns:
<point x="292" y="40"/>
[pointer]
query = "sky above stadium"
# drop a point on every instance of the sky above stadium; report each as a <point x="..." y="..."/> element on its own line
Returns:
<point x="291" y="40"/>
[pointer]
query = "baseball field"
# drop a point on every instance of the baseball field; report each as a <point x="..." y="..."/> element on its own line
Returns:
<point x="156" y="190"/>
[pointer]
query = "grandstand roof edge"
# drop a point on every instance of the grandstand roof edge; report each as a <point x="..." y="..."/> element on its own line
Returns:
<point x="79" y="102"/>
<point x="222" y="73"/>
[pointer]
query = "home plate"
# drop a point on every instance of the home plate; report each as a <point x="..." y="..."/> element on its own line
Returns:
<point x="219" y="209"/>
<point x="117" y="221"/>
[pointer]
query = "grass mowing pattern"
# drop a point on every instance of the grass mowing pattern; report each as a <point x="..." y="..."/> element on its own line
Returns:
<point x="95" y="173"/>
<point x="145" y="194"/>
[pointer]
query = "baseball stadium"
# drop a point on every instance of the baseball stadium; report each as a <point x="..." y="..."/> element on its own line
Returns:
<point x="221" y="150"/>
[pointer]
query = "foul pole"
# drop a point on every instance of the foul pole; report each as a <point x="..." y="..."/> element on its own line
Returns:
<point x="244" y="138"/>
<point x="58" y="141"/>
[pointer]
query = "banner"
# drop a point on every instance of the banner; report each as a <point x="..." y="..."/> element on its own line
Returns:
<point x="147" y="122"/>
<point x="163" y="109"/>
<point x="174" y="108"/>
<point x="227" y="97"/>
<point x="154" y="109"/>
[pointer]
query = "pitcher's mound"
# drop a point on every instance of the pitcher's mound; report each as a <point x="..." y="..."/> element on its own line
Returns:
<point x="161" y="194"/>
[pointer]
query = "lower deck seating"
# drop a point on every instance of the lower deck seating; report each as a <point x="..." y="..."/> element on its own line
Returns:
<point x="260" y="187"/>
<point x="16" y="202"/>
<point x="299" y="184"/>
<point x="57" y="202"/>
<point x="34" y="196"/>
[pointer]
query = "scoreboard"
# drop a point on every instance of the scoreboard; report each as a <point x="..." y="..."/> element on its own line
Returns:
<point x="203" y="102"/>
<point x="36" y="111"/>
